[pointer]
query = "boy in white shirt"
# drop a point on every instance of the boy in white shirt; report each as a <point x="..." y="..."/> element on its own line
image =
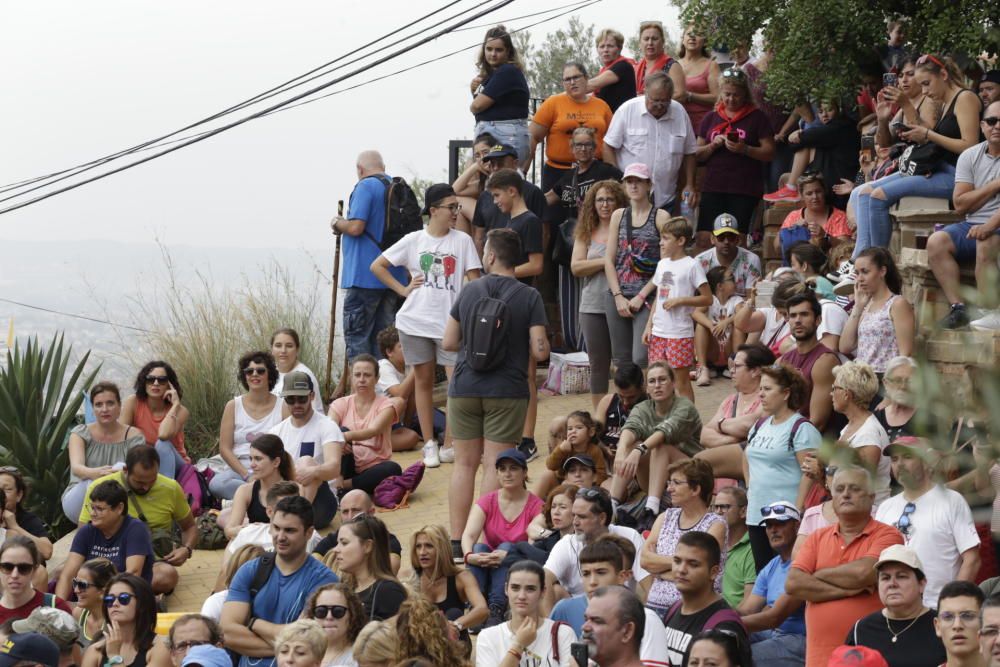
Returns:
<point x="715" y="337"/>
<point x="681" y="286"/>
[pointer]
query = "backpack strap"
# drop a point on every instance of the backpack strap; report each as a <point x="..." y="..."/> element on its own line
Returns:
<point x="554" y="639"/>
<point x="755" y="428"/>
<point x="134" y="498"/>
<point x="265" y="566"/>
<point x="727" y="615"/>
<point x="799" y="421"/>
<point x="384" y="180"/>
<point x="671" y="612"/>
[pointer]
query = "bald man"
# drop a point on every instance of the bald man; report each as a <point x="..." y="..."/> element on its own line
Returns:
<point x="355" y="503"/>
<point x="369" y="307"/>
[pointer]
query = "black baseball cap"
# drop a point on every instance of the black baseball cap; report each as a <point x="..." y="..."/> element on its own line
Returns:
<point x="579" y="458"/>
<point x="434" y="194"/>
<point x="501" y="150"/>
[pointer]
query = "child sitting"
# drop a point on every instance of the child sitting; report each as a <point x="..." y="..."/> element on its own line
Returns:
<point x="715" y="337"/>
<point x="582" y="437"/>
<point x="397" y="381"/>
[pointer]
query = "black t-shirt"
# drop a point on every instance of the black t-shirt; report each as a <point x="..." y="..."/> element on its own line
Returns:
<point x="619" y="93"/>
<point x="916" y="646"/>
<point x="31" y="523"/>
<point x="382" y="599"/>
<point x="510" y="380"/>
<point x="529" y="229"/>
<point x="489" y="217"/>
<point x="570" y="201"/>
<point x="508" y="88"/>
<point x="682" y="628"/>
<point x="330" y="541"/>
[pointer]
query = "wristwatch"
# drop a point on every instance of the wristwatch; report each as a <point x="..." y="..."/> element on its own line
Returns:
<point x="114" y="660"/>
<point x="642" y="448"/>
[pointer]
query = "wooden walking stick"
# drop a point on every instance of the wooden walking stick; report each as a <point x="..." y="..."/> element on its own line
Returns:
<point x="328" y="384"/>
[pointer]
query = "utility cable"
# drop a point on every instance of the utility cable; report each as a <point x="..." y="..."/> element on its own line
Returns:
<point x="79" y="317"/>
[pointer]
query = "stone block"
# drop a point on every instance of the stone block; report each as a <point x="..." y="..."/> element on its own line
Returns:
<point x="775" y="214"/>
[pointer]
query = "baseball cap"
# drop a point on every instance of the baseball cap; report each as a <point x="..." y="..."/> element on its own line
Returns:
<point x="501" y="150"/>
<point x="856" y="656"/>
<point x="29" y="646"/>
<point x="513" y="455"/>
<point x="207" y="655"/>
<point x="54" y="623"/>
<point x="297" y="383"/>
<point x="637" y="170"/>
<point x="993" y="76"/>
<point x="725" y="224"/>
<point x="579" y="458"/>
<point x="434" y="194"/>
<point x="899" y="553"/>
<point x="919" y="446"/>
<point x="781" y="510"/>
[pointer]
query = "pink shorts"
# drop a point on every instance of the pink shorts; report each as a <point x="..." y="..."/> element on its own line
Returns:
<point x="678" y="352"/>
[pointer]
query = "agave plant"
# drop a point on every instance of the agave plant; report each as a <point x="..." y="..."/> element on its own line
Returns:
<point x="39" y="402"/>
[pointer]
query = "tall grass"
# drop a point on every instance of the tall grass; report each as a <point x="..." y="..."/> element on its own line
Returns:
<point x="203" y="330"/>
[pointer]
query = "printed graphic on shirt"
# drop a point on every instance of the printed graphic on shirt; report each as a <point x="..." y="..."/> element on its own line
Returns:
<point x="666" y="282"/>
<point x="439" y="270"/>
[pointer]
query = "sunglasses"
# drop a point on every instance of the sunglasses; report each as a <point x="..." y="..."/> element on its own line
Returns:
<point x="296" y="400"/>
<point x="124" y="599"/>
<point x="80" y="585"/>
<point x="250" y="370"/>
<point x="991" y="121"/>
<point x="157" y="379"/>
<point x="903" y="525"/>
<point x="588" y="494"/>
<point x="334" y="610"/>
<point x="775" y="510"/>
<point x="922" y="60"/>
<point x="734" y="73"/>
<point x="22" y="568"/>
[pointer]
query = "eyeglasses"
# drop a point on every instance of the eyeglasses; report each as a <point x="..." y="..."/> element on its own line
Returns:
<point x="922" y="60"/>
<point x="296" y="400"/>
<point x="776" y="510"/>
<point x="253" y="370"/>
<point x="989" y="631"/>
<point x="677" y="482"/>
<point x="904" y="524"/>
<point x="734" y="73"/>
<point x="80" y="585"/>
<point x="124" y="599"/>
<point x="964" y="617"/>
<point x="157" y="379"/>
<point x="571" y="79"/>
<point x="830" y="471"/>
<point x="991" y="120"/>
<point x="589" y="494"/>
<point x="454" y="208"/>
<point x="97" y="509"/>
<point x="22" y="568"/>
<point x="721" y="509"/>
<point x="588" y="146"/>
<point x="604" y="200"/>
<point x="181" y="647"/>
<point x="334" y="610"/>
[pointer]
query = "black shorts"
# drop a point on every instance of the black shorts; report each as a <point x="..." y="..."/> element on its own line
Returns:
<point x="714" y="204"/>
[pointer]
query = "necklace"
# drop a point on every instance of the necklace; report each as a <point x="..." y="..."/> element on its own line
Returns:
<point x="895" y="635"/>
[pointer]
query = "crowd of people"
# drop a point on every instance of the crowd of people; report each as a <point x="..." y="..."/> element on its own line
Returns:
<point x="652" y="536"/>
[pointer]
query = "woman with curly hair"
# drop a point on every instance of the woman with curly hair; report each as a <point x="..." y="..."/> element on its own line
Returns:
<point x="424" y="633"/>
<point x="587" y="264"/>
<point x="244" y="418"/>
<point x="341" y="615"/>
<point x="376" y="645"/>
<point x="156" y="410"/>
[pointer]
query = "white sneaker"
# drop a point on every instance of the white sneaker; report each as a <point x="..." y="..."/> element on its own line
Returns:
<point x="989" y="322"/>
<point x="431" y="459"/>
<point x="446" y="454"/>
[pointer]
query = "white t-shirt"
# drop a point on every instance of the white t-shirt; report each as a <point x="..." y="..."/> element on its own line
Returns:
<point x="493" y="643"/>
<point x="674" y="279"/>
<point x="388" y="376"/>
<point x="719" y="310"/>
<point x="260" y="535"/>
<point x="834" y="319"/>
<point x="775" y="327"/>
<point x="564" y="559"/>
<point x="309" y="439"/>
<point x="872" y="433"/>
<point x="443" y="262"/>
<point x="246" y="428"/>
<point x="654" y="651"/>
<point x="301" y="367"/>
<point x="941" y="528"/>
<point x="212" y="607"/>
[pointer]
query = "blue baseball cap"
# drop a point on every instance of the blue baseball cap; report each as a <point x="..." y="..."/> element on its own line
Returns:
<point x="207" y="655"/>
<point x="30" y="646"/>
<point x="513" y="455"/>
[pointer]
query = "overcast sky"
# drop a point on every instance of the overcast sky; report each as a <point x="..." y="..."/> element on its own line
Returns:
<point x="84" y="79"/>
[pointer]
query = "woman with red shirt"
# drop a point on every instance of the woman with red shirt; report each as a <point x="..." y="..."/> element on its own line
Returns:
<point x="156" y="410"/>
<point x="653" y="58"/>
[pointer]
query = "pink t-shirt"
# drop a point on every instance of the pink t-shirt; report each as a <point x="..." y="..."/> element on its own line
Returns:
<point x="375" y="449"/>
<point x="497" y="529"/>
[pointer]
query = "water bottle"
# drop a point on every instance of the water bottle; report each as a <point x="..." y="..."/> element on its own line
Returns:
<point x="686" y="207"/>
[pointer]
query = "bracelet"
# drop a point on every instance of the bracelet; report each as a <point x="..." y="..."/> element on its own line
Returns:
<point x="642" y="448"/>
<point x="465" y="558"/>
<point x="719" y="426"/>
<point x="253" y="619"/>
<point x="617" y="294"/>
<point x="514" y="652"/>
<point x="190" y="550"/>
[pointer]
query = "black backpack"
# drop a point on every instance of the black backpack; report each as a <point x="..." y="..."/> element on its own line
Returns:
<point x="402" y="212"/>
<point x="486" y="331"/>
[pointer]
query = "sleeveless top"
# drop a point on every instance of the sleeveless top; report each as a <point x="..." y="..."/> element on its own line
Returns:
<point x="663" y="594"/>
<point x="140" y="658"/>
<point x="645" y="244"/>
<point x="246" y="428"/>
<point x="697" y="84"/>
<point x="804" y="363"/>
<point x="877" y="336"/>
<point x="98" y="454"/>
<point x="895" y="432"/>
<point x="948" y="127"/>
<point x="594" y="286"/>
<point x="83" y="640"/>
<point x="144" y="420"/>
<point x="256" y="513"/>
<point x="452" y="600"/>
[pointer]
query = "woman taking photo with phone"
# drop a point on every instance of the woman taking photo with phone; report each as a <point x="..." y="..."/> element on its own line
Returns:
<point x="156" y="410"/>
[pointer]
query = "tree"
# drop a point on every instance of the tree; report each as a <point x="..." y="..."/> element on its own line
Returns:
<point x="543" y="64"/>
<point x="821" y="46"/>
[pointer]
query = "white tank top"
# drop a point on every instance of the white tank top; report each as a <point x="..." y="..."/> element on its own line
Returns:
<point x="248" y="428"/>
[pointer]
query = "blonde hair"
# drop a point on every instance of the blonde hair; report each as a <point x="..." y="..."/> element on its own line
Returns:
<point x="376" y="643"/>
<point x="678" y="227"/>
<point x="655" y="25"/>
<point x="443" y="565"/>
<point x="242" y="555"/>
<point x="858" y="378"/>
<point x="306" y="631"/>
<point x="611" y="33"/>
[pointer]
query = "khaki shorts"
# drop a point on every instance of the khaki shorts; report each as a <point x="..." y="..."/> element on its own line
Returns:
<point x="496" y="419"/>
<point x="421" y="350"/>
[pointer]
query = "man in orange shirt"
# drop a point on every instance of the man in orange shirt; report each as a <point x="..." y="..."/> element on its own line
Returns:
<point x="835" y="570"/>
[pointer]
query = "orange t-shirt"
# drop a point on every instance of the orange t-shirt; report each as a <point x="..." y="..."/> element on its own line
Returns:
<point x="829" y="622"/>
<point x="835" y="225"/>
<point x="144" y="420"/>
<point x="562" y="114"/>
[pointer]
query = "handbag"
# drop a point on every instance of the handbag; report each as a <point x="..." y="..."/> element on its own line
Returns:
<point x="562" y="248"/>
<point x="920" y="160"/>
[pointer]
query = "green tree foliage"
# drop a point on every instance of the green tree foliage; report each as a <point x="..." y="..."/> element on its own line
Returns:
<point x="820" y="46"/>
<point x="40" y="395"/>
<point x="543" y="63"/>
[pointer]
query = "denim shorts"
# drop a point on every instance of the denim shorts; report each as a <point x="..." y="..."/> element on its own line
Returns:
<point x="965" y="248"/>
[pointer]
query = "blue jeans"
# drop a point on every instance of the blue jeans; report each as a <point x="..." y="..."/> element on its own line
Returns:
<point x="225" y="483"/>
<point x="492" y="580"/>
<point x="778" y="649"/>
<point x="72" y="500"/>
<point x="367" y="312"/>
<point x="511" y="132"/>
<point x="874" y="225"/>
<point x="170" y="460"/>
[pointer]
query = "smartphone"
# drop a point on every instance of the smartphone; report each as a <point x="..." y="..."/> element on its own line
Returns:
<point x="868" y="145"/>
<point x="900" y="127"/>
<point x="580" y="652"/>
<point x="890" y="79"/>
<point x="733" y="136"/>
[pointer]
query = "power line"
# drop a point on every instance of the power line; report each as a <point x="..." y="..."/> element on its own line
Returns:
<point x="229" y="126"/>
<point x="79" y="317"/>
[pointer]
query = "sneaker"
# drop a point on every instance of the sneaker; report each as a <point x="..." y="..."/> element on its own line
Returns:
<point x="988" y="322"/>
<point x="704" y="377"/>
<point x="496" y="617"/>
<point x="728" y="374"/>
<point x="430" y="450"/>
<point x="645" y="521"/>
<point x="784" y="193"/>
<point x="956" y="318"/>
<point x="457" y="556"/>
<point x="528" y="448"/>
<point x="446" y="454"/>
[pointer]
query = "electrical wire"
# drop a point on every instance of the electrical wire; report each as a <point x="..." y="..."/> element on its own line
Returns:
<point x="518" y="18"/>
<point x="79" y="317"/>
